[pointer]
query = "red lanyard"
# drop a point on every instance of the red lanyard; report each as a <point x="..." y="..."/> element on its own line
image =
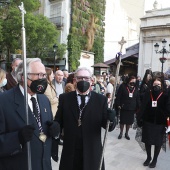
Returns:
<point x="157" y="97"/>
<point x="129" y="90"/>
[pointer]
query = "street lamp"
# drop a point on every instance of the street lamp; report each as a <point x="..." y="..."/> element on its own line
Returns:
<point x="162" y="51"/>
<point x="69" y="56"/>
<point x="54" y="49"/>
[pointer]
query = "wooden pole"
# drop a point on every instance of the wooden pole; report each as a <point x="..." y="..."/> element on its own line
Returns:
<point x="122" y="42"/>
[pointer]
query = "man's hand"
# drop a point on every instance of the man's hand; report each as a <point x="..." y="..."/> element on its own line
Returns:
<point x="53" y="128"/>
<point x="25" y="134"/>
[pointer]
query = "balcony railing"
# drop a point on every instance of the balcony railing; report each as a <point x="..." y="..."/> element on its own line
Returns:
<point x="58" y="21"/>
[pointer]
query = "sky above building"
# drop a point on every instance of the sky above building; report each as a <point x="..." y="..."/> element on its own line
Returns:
<point x="120" y="21"/>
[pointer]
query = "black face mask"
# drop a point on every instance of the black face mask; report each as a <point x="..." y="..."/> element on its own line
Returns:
<point x="132" y="83"/>
<point x="38" y="86"/>
<point x="156" y="88"/>
<point x="83" y="86"/>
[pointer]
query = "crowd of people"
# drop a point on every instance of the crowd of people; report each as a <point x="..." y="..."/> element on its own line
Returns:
<point x="69" y="109"/>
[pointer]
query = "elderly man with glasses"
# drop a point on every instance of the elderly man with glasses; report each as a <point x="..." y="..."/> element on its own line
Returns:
<point x="82" y="114"/>
<point x="14" y="131"/>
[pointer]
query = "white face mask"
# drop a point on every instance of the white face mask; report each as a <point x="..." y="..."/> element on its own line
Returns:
<point x="4" y="82"/>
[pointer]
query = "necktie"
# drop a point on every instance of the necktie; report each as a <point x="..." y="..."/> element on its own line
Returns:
<point x="34" y="103"/>
<point x="82" y="101"/>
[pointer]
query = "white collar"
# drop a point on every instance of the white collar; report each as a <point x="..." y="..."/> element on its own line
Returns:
<point x="29" y="96"/>
<point x="80" y="94"/>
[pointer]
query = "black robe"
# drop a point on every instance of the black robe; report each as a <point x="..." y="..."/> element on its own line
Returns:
<point x="95" y="117"/>
<point x="155" y="115"/>
<point x="126" y="102"/>
<point x="154" y="119"/>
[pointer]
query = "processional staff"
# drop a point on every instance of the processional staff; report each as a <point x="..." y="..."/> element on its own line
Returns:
<point x="23" y="12"/>
<point x="118" y="62"/>
<point x="118" y="58"/>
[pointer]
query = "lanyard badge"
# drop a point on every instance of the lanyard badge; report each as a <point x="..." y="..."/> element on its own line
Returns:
<point x="154" y="102"/>
<point x="130" y="93"/>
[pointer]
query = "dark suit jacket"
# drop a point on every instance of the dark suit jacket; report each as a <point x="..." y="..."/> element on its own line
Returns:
<point x="10" y="82"/>
<point x="94" y="117"/>
<point x="12" y="119"/>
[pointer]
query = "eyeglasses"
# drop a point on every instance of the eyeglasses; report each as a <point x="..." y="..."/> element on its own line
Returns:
<point x="40" y="75"/>
<point x="80" y="78"/>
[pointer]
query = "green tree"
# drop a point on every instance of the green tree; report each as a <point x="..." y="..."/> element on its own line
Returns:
<point x="29" y="5"/>
<point x="1" y="36"/>
<point x="85" y="29"/>
<point x="74" y="48"/>
<point x="41" y="34"/>
<point x="98" y="50"/>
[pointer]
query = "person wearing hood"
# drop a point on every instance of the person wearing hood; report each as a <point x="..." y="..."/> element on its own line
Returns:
<point x="128" y="101"/>
<point x="81" y="114"/>
<point x="146" y="83"/>
<point x="152" y="117"/>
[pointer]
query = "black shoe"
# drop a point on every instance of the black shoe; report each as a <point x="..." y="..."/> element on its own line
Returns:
<point x="152" y="164"/>
<point x="60" y="142"/>
<point x="120" y="136"/>
<point x="127" y="136"/>
<point x="146" y="163"/>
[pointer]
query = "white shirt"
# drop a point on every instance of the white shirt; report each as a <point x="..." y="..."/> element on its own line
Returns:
<point x="29" y="97"/>
<point x="58" y="88"/>
<point x="109" y="88"/>
<point x="79" y="98"/>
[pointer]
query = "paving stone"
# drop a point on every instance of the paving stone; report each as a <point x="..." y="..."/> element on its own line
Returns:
<point x="126" y="154"/>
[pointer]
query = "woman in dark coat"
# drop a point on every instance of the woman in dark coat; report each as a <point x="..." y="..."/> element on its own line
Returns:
<point x="128" y="102"/>
<point x="153" y="115"/>
<point x="146" y="83"/>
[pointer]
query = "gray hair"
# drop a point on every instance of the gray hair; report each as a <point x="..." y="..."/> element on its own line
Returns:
<point x="58" y="71"/>
<point x="15" y="59"/>
<point x="20" y="68"/>
<point x="82" y="68"/>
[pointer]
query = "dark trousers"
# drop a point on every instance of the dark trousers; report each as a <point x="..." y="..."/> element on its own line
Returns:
<point x="78" y="160"/>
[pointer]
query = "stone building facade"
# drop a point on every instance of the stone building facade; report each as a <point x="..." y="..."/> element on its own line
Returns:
<point x="155" y="26"/>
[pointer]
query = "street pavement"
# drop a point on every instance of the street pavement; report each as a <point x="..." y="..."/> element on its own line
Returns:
<point x="127" y="155"/>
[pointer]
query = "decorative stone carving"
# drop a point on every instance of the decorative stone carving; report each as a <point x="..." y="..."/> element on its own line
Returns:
<point x="155" y="5"/>
<point x="90" y="32"/>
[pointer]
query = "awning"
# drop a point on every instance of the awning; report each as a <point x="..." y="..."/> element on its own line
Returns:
<point x="101" y="65"/>
<point x="132" y="51"/>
